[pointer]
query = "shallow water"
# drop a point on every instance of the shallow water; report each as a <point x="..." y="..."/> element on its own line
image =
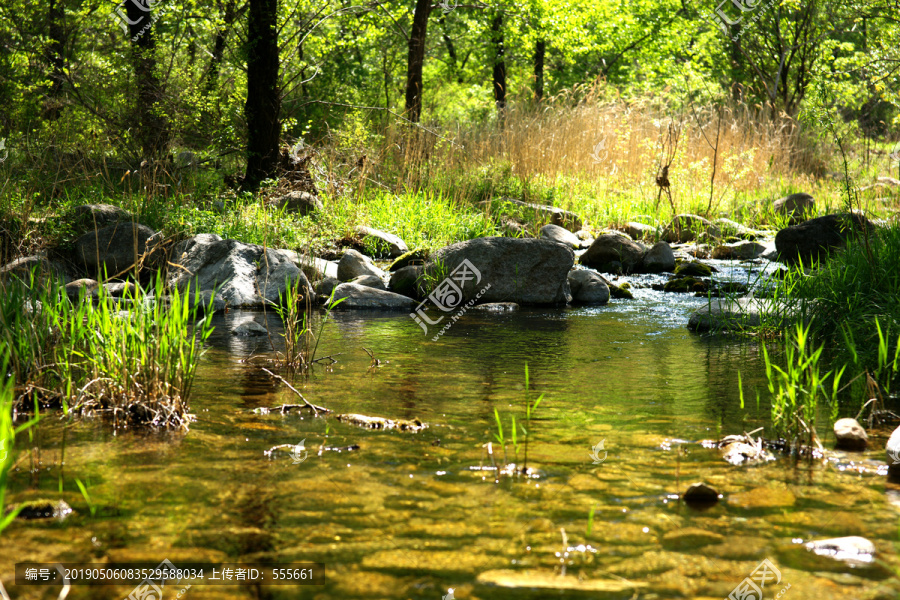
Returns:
<point x="410" y="515"/>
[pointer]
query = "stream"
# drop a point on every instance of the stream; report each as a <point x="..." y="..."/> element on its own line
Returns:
<point x="399" y="514"/>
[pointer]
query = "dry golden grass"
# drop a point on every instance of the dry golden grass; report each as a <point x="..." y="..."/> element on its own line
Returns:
<point x="603" y="159"/>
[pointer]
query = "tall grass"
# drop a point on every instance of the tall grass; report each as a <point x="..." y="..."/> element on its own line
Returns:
<point x="132" y="359"/>
<point x="798" y="388"/>
<point x="852" y="301"/>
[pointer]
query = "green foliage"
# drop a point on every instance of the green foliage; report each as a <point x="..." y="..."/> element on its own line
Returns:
<point x="797" y="389"/>
<point x="8" y="432"/>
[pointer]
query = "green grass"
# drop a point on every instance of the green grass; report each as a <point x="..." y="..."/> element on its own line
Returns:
<point x="132" y="359"/>
<point x="798" y="388"/>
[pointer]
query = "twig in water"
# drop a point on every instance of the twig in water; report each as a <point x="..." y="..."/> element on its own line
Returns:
<point x="306" y="402"/>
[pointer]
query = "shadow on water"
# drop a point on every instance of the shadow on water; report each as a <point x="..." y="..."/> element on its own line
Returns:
<point x="410" y="515"/>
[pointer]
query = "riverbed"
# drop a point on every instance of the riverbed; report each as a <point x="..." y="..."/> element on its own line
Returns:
<point x="629" y="395"/>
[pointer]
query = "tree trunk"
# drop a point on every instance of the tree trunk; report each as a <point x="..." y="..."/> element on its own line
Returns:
<point x="56" y="33"/>
<point x="263" y="100"/>
<point x="540" y="48"/>
<point x="451" y="51"/>
<point x="153" y="134"/>
<point x="415" y="60"/>
<point x="215" y="62"/>
<point x="499" y="64"/>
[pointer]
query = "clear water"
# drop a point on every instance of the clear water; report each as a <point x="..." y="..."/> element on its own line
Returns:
<point x="411" y="515"/>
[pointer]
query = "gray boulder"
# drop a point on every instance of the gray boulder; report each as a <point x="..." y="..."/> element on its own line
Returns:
<point x="559" y="234"/>
<point x="386" y="244"/>
<point x="735" y="229"/>
<point x="39" y="263"/>
<point x="659" y="258"/>
<point x="408" y="281"/>
<point x="317" y="268"/>
<point x="302" y="203"/>
<point x="526" y="271"/>
<point x="611" y="250"/>
<point x="248" y="275"/>
<point x="326" y="286"/>
<point x="557" y="216"/>
<point x="814" y="240"/>
<point x="639" y="231"/>
<point x="87" y="287"/>
<point x="353" y="264"/>
<point x="850" y="435"/>
<point x="739" y="251"/>
<point x="249" y="328"/>
<point x="588" y="287"/>
<point x="795" y="206"/>
<point x="496" y="307"/>
<point x="360" y="296"/>
<point x="726" y="314"/>
<point x="685" y="228"/>
<point x="892" y="448"/>
<point x="369" y="281"/>
<point x="90" y="217"/>
<point x="115" y="248"/>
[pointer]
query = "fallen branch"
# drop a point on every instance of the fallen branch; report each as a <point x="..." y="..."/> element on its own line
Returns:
<point x="306" y="402"/>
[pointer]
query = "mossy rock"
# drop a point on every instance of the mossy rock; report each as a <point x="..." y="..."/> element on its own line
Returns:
<point x="620" y="291"/>
<point x="685" y="285"/>
<point x="694" y="269"/>
<point x="413" y="257"/>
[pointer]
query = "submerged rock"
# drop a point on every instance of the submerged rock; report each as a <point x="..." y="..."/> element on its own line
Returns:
<point x="249" y="328"/>
<point x="548" y="584"/>
<point x="850" y="435"/>
<point x="45" y="509"/>
<point x="700" y="495"/>
<point x="368" y="422"/>
<point x="496" y="307"/>
<point x="526" y="271"/>
<point x="854" y="550"/>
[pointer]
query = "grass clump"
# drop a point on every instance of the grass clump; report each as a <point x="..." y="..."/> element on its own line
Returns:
<point x="798" y="389"/>
<point x="131" y="359"/>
